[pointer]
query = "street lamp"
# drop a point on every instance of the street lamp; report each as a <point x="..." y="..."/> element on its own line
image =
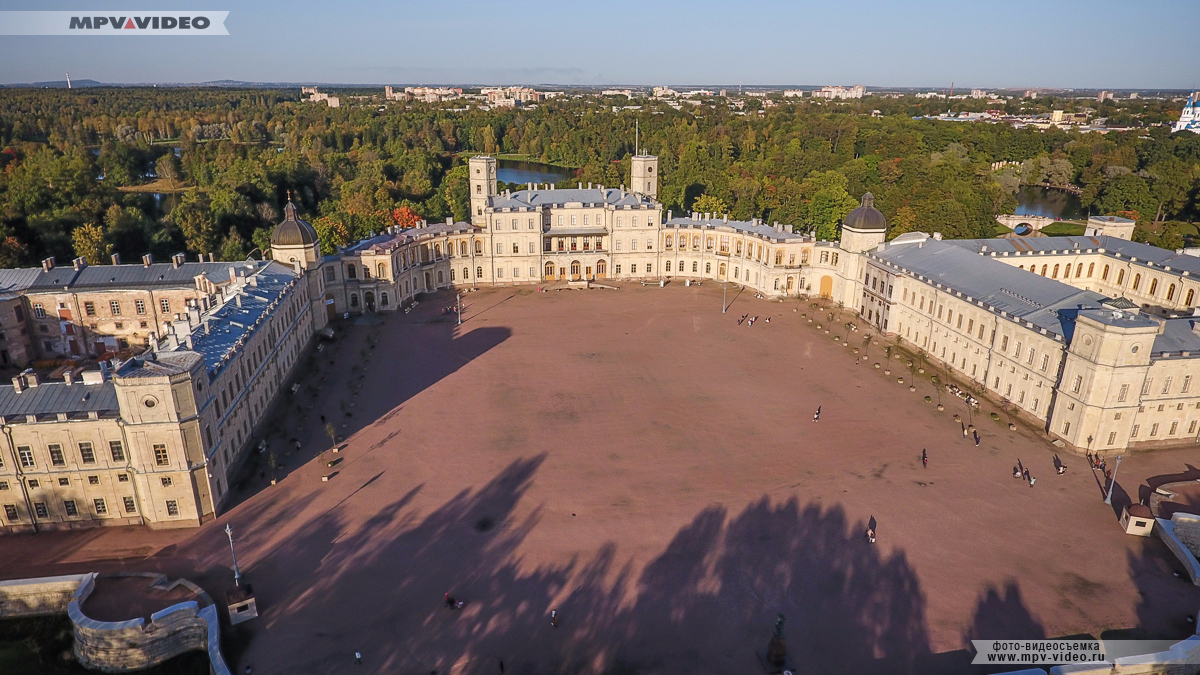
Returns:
<point x="723" y="287"/>
<point x="1113" y="482"/>
<point x="458" y="306"/>
<point x="237" y="574"/>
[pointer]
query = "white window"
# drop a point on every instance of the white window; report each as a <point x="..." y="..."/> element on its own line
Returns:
<point x="499" y="248"/>
<point x="516" y="271"/>
<point x="499" y="273"/>
<point x="38" y="310"/>
<point x="618" y="244"/>
<point x="514" y="223"/>
<point x="633" y="244"/>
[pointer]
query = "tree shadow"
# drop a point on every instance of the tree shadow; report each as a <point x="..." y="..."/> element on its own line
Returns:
<point x="362" y="388"/>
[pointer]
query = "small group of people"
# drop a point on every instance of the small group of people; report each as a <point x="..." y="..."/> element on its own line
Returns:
<point x="451" y="603"/>
<point x="450" y="310"/>
<point x="1023" y="473"/>
<point x="751" y="319"/>
<point x="1099" y="464"/>
<point x="957" y="391"/>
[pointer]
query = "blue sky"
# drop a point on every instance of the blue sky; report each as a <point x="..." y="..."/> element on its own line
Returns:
<point x="1016" y="43"/>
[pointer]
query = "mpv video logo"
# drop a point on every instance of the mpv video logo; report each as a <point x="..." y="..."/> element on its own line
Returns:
<point x="175" y="22"/>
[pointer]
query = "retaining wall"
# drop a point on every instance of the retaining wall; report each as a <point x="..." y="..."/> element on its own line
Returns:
<point x="1173" y="533"/>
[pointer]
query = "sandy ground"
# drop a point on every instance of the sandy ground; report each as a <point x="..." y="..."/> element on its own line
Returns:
<point x="649" y="468"/>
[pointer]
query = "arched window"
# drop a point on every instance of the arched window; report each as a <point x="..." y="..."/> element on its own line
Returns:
<point x="1104" y="274"/>
<point x="695" y="266"/>
<point x="1120" y="277"/>
<point x="440" y="276"/>
<point x="776" y="284"/>
<point x="466" y="273"/>
<point x="462" y="248"/>
<point x="1054" y="274"/>
<point x="479" y="272"/>
<point x="351" y="272"/>
<point x="478" y="247"/>
<point x="354" y="299"/>
<point x="549" y="270"/>
<point x="1079" y="270"/>
<point x="1033" y="268"/>
<point x="1091" y="268"/>
<point x="1021" y="267"/>
<point x="696" y="242"/>
<point x="437" y="250"/>
<point x="383" y="299"/>
<point x="380" y="271"/>
<point x="680" y="267"/>
<point x="669" y="240"/>
<point x="601" y="267"/>
<point x="1044" y="268"/>
<point x="451" y="274"/>
<point x="668" y="262"/>
<point x="708" y="268"/>
<point x="575" y="268"/>
<point x="1153" y="286"/>
<point x="1171" y="292"/>
<point x="1137" y="281"/>
<point x="722" y="271"/>
<point x="778" y="256"/>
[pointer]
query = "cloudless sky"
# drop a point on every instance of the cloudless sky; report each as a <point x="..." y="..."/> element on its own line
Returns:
<point x="1109" y="44"/>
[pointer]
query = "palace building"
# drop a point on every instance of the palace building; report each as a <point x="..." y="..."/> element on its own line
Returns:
<point x="1092" y="336"/>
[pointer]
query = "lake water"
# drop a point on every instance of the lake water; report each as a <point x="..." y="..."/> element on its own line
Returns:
<point x="1038" y="201"/>
<point x="513" y="171"/>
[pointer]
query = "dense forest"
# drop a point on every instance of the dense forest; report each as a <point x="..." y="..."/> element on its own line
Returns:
<point x="83" y="172"/>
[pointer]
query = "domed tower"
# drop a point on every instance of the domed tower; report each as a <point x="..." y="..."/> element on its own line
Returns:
<point x="295" y="241"/>
<point x="864" y="228"/>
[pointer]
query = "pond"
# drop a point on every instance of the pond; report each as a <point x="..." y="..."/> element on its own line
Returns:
<point x="516" y="171"/>
<point x="1048" y="202"/>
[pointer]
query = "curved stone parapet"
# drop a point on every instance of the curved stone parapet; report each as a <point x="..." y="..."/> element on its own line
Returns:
<point x="121" y="646"/>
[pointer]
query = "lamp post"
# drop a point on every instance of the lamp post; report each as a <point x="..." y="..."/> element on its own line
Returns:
<point x="1113" y="482"/>
<point x="724" y="286"/>
<point x="458" y="306"/>
<point x="237" y="574"/>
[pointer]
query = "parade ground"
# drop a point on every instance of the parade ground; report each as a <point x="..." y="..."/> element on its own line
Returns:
<point x="648" y="467"/>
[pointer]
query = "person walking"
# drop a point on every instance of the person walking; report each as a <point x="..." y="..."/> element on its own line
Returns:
<point x="924" y="458"/>
<point x="1032" y="480"/>
<point x="554" y="618"/>
<point x="977" y="439"/>
<point x="1016" y="472"/>
<point x="358" y="658"/>
<point x="817" y="414"/>
<point x="450" y="602"/>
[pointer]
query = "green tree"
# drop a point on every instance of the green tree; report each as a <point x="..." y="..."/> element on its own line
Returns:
<point x="90" y="244"/>
<point x="195" y="220"/>
<point x="167" y="168"/>
<point x="233" y="248"/>
<point x="707" y="203"/>
<point x="456" y="190"/>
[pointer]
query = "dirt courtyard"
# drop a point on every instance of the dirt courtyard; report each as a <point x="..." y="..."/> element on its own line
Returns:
<point x="649" y="468"/>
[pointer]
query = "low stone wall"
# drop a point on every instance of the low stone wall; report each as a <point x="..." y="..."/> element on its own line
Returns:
<point x="45" y="596"/>
<point x="121" y="646"/>
<point x="1173" y="535"/>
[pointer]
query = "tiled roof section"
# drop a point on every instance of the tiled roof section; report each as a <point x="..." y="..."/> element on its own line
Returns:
<point x="1043" y="302"/>
<point x="58" y="397"/>
<point x="1128" y="249"/>
<point x="536" y="199"/>
<point x="228" y="325"/>
<point x="747" y="226"/>
<point x="388" y="241"/>
<point x="128" y="276"/>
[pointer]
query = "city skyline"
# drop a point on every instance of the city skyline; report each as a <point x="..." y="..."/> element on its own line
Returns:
<point x="926" y="44"/>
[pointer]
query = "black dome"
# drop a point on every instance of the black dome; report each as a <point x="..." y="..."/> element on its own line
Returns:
<point x="293" y="231"/>
<point x="866" y="217"/>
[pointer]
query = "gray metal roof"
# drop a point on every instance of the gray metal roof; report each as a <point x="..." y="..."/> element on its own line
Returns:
<point x="528" y="199"/>
<point x="1128" y="249"/>
<point x="127" y="276"/>
<point x="1178" y="336"/>
<point x="228" y="324"/>
<point x="1043" y="302"/>
<point x="15" y="281"/>
<point x="385" y="241"/>
<point x="58" y="397"/>
<point x="747" y="226"/>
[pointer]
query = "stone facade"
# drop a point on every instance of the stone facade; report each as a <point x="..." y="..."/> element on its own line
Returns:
<point x="156" y="439"/>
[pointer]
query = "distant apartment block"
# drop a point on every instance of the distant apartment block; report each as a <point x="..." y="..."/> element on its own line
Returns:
<point x="857" y="91"/>
<point x="315" y="96"/>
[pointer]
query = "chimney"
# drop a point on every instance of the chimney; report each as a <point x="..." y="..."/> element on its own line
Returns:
<point x="580" y="185"/>
<point x="450" y="220"/>
<point x="207" y="327"/>
<point x="589" y="186"/>
<point x="31" y="377"/>
<point x="69" y="377"/>
<point x="237" y="297"/>
<point x="18" y="384"/>
<point x="668" y="214"/>
<point x="200" y="258"/>
<point x="212" y="257"/>
<point x="79" y="263"/>
<point x="147" y="260"/>
<point x="254" y="279"/>
<point x="187" y="339"/>
<point x="232" y="275"/>
<point x="48" y="264"/>
<point x="116" y="258"/>
<point x="177" y="260"/>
